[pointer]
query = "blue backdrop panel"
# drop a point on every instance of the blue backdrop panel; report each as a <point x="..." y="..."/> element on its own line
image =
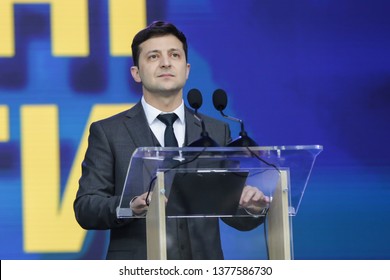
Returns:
<point x="296" y="72"/>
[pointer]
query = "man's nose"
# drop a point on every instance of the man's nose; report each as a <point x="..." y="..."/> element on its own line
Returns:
<point x="165" y="61"/>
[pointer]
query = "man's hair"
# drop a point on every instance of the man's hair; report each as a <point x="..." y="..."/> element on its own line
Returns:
<point x="156" y="29"/>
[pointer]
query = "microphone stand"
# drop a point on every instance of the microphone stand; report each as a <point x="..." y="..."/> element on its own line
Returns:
<point x="195" y="100"/>
<point x="243" y="140"/>
<point x="205" y="140"/>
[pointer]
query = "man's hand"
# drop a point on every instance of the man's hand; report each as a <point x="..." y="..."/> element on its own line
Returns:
<point x="139" y="205"/>
<point x="253" y="200"/>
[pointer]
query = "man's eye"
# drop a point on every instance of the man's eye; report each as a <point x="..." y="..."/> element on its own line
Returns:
<point x="152" y="57"/>
<point x="176" y="55"/>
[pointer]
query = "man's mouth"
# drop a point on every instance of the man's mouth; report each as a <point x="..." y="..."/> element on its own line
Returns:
<point x="166" y="75"/>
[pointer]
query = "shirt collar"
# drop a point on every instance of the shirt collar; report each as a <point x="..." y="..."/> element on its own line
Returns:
<point x="152" y="112"/>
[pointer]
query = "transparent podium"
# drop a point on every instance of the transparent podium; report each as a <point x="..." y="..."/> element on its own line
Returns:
<point x="202" y="183"/>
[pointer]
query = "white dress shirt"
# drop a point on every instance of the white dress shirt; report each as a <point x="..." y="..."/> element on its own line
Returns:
<point x="158" y="128"/>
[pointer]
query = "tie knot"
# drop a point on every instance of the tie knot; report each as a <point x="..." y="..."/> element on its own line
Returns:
<point x="168" y="119"/>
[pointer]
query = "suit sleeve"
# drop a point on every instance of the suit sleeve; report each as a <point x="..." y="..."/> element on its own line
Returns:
<point x="244" y="224"/>
<point x="96" y="202"/>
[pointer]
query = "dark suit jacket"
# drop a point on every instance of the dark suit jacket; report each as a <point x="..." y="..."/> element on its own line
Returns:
<point x="110" y="146"/>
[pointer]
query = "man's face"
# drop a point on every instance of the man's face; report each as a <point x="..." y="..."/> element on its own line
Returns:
<point x="162" y="66"/>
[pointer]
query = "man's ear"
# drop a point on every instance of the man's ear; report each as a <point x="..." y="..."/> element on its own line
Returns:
<point x="188" y="70"/>
<point x="135" y="73"/>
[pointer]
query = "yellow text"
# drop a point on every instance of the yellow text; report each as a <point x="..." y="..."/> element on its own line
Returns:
<point x="69" y="26"/>
<point x="49" y="222"/>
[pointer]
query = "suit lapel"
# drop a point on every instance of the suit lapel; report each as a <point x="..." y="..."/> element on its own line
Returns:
<point x="138" y="127"/>
<point x="193" y="127"/>
<point x="139" y="130"/>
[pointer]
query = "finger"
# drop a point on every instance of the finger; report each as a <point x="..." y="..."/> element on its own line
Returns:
<point x="250" y="194"/>
<point x="245" y="196"/>
<point x="266" y="199"/>
<point x="147" y="197"/>
<point x="257" y="196"/>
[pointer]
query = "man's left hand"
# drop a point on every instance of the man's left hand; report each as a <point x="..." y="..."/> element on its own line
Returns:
<point x="253" y="200"/>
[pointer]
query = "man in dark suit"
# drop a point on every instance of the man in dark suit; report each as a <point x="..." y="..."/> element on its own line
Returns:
<point x="160" y="64"/>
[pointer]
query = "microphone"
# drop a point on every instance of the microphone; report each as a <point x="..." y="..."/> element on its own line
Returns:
<point x="195" y="100"/>
<point x="220" y="103"/>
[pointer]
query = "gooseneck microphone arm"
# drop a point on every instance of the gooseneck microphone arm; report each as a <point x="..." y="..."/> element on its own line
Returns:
<point x="242" y="132"/>
<point x="204" y="133"/>
<point x="220" y="103"/>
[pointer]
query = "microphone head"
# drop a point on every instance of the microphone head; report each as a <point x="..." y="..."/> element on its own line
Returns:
<point x="220" y="99"/>
<point x="194" y="98"/>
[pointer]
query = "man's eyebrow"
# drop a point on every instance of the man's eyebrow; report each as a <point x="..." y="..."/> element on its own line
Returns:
<point x="159" y="51"/>
<point x="175" y="49"/>
<point x="153" y="51"/>
<point x="179" y="51"/>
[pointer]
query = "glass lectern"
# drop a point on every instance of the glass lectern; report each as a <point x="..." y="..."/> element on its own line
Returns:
<point x="205" y="182"/>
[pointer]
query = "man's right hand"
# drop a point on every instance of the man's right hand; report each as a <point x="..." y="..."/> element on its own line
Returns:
<point x="139" y="205"/>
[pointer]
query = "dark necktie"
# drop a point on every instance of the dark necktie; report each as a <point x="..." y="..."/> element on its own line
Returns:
<point x="169" y="135"/>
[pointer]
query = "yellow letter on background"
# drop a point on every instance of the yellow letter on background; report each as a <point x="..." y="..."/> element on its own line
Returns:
<point x="127" y="17"/>
<point x="69" y="25"/>
<point x="4" y="123"/>
<point x="49" y="224"/>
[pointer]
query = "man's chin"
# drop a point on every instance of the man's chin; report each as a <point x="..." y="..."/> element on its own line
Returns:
<point x="168" y="91"/>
